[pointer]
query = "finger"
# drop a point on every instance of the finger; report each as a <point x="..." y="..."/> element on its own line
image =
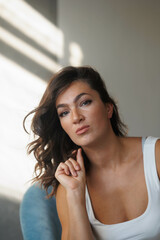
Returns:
<point x="71" y="167"/>
<point x="74" y="151"/>
<point x="73" y="154"/>
<point x="63" y="168"/>
<point x="80" y="158"/>
<point x="75" y="164"/>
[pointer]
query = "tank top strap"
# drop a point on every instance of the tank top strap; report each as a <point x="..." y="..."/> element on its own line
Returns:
<point x="143" y="141"/>
<point x="150" y="168"/>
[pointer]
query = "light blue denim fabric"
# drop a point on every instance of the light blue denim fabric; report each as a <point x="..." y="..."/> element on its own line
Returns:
<point x="38" y="216"/>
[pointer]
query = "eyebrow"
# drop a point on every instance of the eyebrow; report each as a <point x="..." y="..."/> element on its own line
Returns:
<point x="75" y="100"/>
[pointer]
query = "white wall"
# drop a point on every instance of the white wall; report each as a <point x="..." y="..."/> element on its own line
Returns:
<point x="121" y="39"/>
<point x="26" y="63"/>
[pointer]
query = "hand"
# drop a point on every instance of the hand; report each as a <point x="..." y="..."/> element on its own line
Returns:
<point x="65" y="173"/>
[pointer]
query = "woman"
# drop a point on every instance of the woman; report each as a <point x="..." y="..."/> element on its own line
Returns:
<point x="109" y="186"/>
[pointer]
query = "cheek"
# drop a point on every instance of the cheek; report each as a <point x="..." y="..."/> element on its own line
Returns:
<point x="67" y="128"/>
<point x="65" y="125"/>
<point x="99" y="115"/>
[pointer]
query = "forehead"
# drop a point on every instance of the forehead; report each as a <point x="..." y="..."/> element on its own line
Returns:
<point x="73" y="90"/>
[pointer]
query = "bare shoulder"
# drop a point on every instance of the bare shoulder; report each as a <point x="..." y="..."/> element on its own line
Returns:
<point x="157" y="156"/>
<point x="132" y="144"/>
<point x="132" y="140"/>
<point x="62" y="210"/>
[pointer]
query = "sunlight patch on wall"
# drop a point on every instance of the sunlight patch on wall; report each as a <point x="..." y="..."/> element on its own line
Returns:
<point x="34" y="25"/>
<point x="28" y="51"/>
<point x="76" y="54"/>
<point x="20" y="92"/>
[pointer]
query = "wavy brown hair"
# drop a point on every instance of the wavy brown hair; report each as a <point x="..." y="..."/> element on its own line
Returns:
<point x="52" y="145"/>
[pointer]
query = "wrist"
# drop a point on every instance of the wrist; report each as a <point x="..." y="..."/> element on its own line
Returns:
<point x="75" y="195"/>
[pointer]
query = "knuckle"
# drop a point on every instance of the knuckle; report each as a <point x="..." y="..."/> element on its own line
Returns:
<point x="67" y="161"/>
<point x="73" y="161"/>
<point x="61" y="164"/>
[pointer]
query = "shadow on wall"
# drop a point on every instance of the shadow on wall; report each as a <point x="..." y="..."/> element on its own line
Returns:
<point x="9" y="220"/>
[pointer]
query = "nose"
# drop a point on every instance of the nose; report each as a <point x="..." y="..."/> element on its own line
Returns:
<point x="77" y="116"/>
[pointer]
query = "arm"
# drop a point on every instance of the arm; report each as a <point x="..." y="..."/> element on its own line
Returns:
<point x="70" y="198"/>
<point x="73" y="215"/>
<point x="79" y="226"/>
<point x="157" y="156"/>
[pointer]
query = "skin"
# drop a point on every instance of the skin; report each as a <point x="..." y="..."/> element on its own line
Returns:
<point x="74" y="115"/>
<point x="116" y="162"/>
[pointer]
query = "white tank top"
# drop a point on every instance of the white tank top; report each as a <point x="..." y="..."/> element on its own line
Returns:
<point x="146" y="226"/>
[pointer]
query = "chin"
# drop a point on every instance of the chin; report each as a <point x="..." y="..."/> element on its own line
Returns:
<point x="85" y="142"/>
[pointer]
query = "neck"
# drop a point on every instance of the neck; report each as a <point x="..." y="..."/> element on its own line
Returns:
<point x="106" y="154"/>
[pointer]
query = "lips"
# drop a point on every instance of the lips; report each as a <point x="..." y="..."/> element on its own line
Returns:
<point x="82" y="130"/>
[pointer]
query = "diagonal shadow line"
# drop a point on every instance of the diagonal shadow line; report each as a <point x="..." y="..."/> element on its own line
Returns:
<point x="26" y="39"/>
<point x="25" y="62"/>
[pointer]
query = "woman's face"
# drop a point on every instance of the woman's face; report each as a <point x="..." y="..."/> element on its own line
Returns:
<point x="83" y="115"/>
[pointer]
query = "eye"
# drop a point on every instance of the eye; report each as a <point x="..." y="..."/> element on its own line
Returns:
<point x="86" y="102"/>
<point x="63" y="114"/>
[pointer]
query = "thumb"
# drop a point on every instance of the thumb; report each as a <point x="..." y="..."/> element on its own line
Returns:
<point x="80" y="159"/>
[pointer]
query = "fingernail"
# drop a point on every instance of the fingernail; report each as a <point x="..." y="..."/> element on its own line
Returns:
<point x="77" y="167"/>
